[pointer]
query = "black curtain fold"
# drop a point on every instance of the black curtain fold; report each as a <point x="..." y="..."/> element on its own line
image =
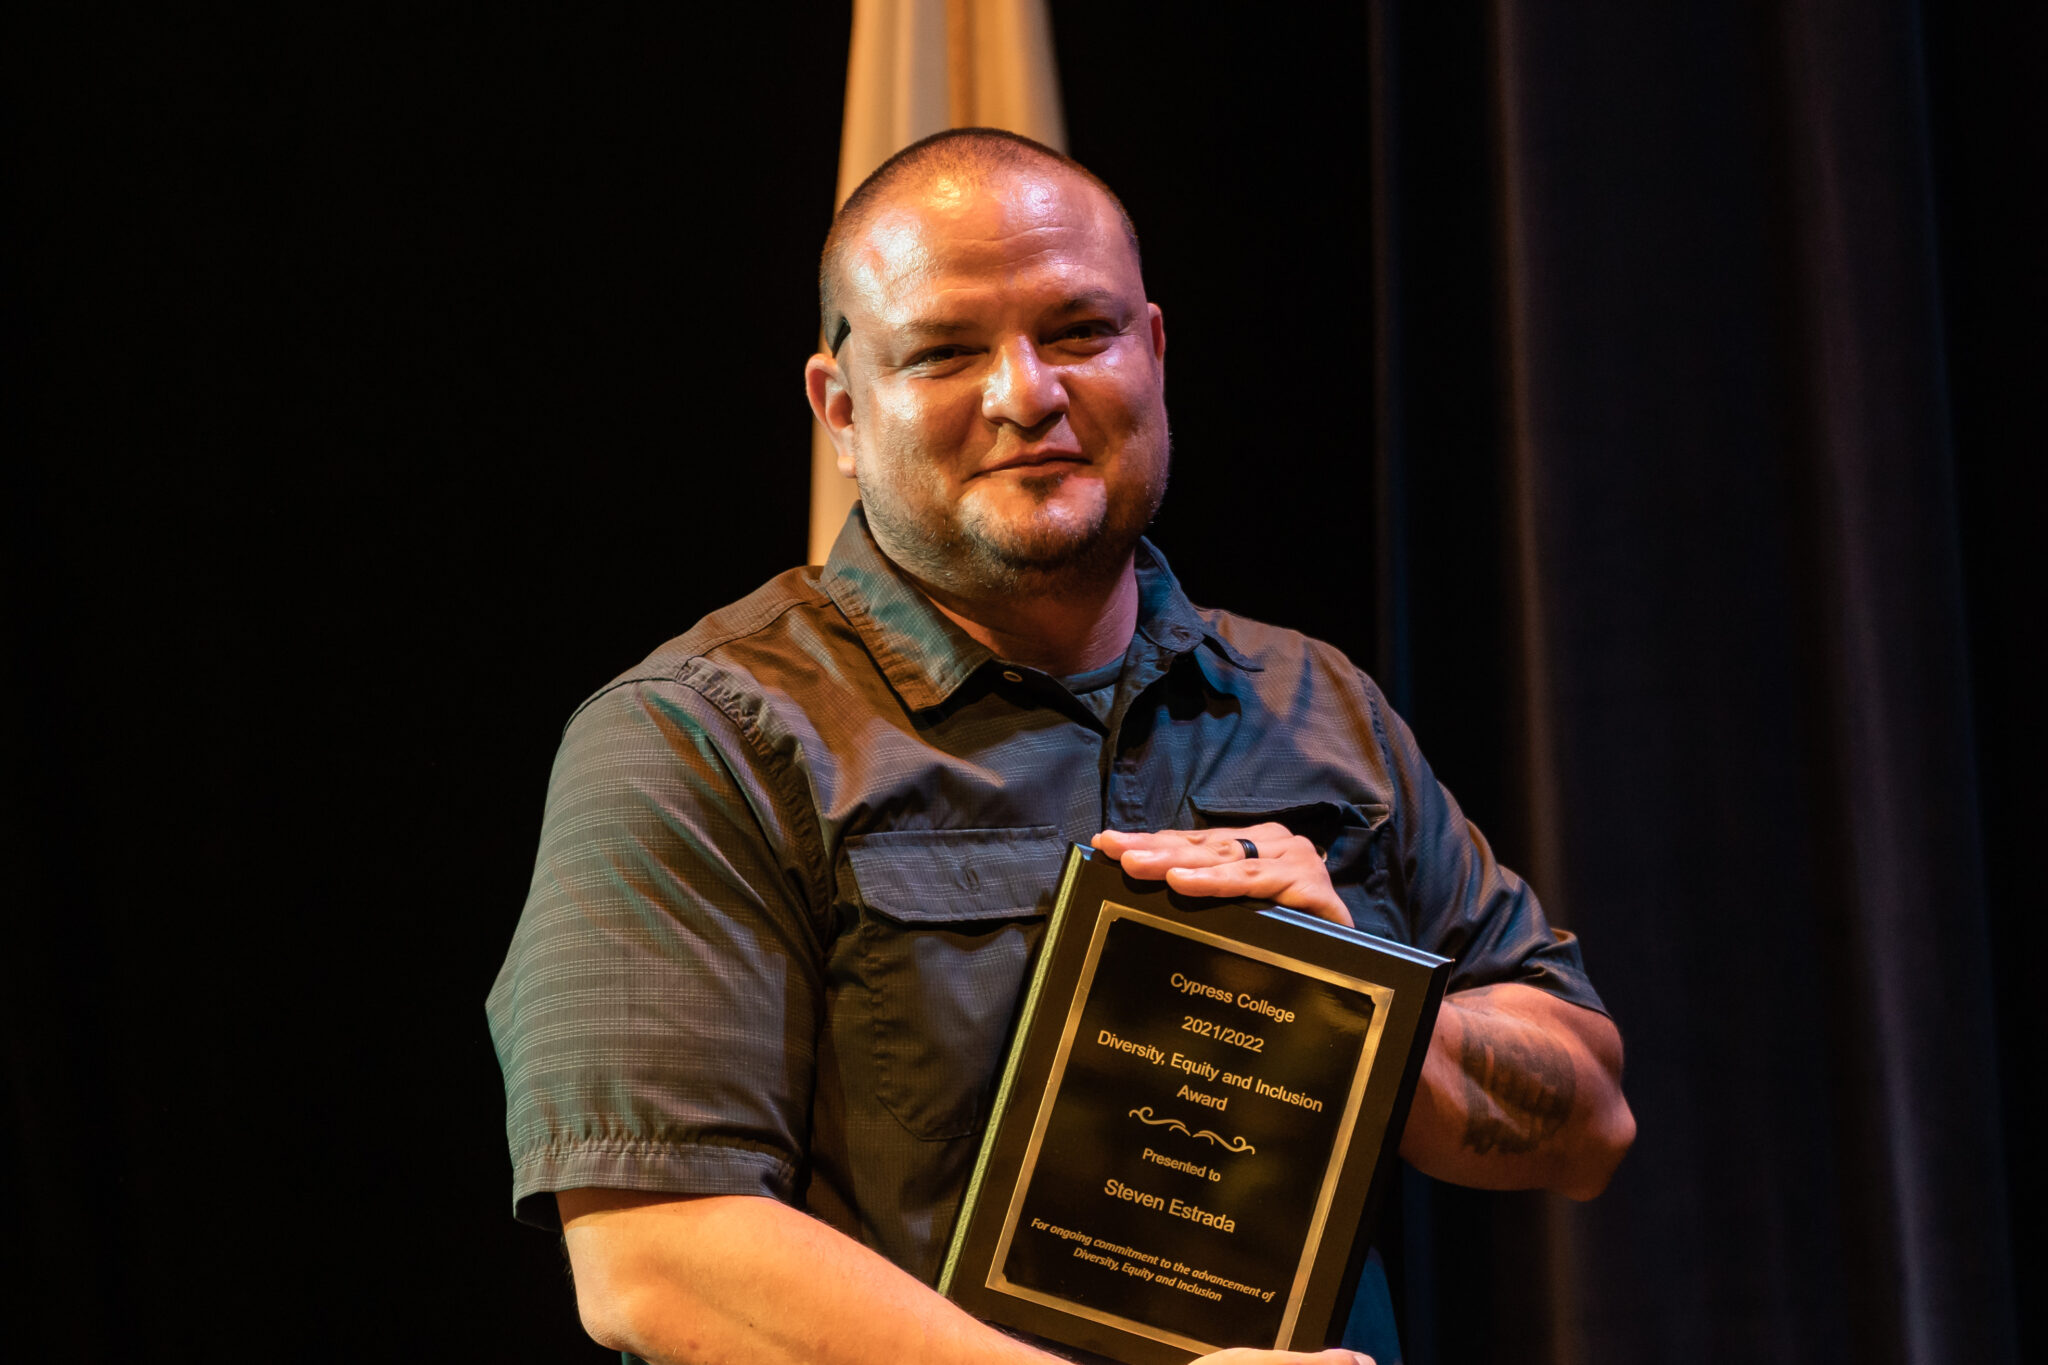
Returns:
<point x="1736" y="677"/>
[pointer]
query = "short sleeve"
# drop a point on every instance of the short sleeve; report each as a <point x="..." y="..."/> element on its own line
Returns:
<point x="1458" y="899"/>
<point x="656" y="1018"/>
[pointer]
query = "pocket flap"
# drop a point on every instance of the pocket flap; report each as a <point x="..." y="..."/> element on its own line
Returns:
<point x="953" y="876"/>
<point x="1322" y="823"/>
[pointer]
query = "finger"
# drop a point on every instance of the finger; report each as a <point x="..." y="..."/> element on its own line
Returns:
<point x="1171" y="847"/>
<point x="1150" y="854"/>
<point x="1285" y="883"/>
<point x="1260" y="849"/>
<point x="1210" y="849"/>
<point x="1168" y="838"/>
<point x="1214" y="862"/>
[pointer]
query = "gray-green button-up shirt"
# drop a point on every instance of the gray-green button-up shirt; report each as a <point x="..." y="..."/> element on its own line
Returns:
<point x="793" y="865"/>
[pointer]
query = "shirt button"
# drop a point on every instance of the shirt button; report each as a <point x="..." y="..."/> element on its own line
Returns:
<point x="1012" y="675"/>
<point x="970" y="878"/>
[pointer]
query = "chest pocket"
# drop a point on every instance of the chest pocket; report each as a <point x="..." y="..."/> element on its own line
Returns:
<point x="948" y="921"/>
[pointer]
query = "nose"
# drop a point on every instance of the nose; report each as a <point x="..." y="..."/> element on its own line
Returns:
<point x="1022" y="389"/>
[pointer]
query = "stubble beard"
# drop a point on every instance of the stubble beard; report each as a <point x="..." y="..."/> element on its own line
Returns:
<point x="975" y="554"/>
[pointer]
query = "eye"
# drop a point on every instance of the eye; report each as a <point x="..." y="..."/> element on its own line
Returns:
<point x="935" y="357"/>
<point x="1089" y="335"/>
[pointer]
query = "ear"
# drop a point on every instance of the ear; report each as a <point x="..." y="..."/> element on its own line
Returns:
<point x="1158" y="332"/>
<point x="832" y="405"/>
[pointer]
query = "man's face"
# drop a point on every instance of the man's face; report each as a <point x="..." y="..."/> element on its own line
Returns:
<point x="1000" y="396"/>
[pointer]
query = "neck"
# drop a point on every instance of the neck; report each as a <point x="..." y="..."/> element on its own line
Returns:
<point x="1063" y="630"/>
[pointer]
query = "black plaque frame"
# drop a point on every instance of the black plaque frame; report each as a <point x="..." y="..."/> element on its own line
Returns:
<point x="1404" y="986"/>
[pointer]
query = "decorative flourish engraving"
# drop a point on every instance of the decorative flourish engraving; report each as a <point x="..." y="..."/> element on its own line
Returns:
<point x="1234" y="1145"/>
<point x="1145" y="1116"/>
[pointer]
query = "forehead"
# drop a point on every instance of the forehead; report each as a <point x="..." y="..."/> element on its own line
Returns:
<point x="1005" y="236"/>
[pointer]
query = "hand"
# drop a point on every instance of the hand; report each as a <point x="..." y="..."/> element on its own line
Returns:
<point x="1213" y="862"/>
<point x="1244" y="1355"/>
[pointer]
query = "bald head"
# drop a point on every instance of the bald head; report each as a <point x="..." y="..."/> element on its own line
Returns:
<point x="975" y="156"/>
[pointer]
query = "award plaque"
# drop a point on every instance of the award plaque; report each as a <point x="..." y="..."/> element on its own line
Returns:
<point x="1194" y="1125"/>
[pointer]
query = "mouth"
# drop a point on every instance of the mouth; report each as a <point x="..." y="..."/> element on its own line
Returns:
<point x="1038" y="462"/>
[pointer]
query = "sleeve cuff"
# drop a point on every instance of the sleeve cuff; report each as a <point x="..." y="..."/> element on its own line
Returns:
<point x="642" y="1165"/>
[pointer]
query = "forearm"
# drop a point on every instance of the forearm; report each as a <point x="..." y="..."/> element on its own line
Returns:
<point x="746" y="1279"/>
<point x="1520" y="1090"/>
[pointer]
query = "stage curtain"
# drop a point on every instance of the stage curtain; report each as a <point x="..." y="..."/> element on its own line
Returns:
<point x="1670" y="493"/>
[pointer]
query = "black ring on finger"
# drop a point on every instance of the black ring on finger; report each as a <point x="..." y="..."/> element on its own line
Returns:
<point x="1251" y="850"/>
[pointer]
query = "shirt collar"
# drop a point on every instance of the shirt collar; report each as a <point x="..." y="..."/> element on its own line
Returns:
<point x="926" y="657"/>
<point x="1168" y="619"/>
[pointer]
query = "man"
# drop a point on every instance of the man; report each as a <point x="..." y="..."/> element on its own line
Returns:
<point x="793" y="865"/>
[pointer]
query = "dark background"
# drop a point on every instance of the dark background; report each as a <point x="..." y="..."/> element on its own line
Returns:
<point x="376" y="387"/>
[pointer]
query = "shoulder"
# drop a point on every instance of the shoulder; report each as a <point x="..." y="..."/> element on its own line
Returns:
<point x="761" y="644"/>
<point x="1294" y="672"/>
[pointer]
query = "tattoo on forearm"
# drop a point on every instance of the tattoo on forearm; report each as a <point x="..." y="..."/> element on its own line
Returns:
<point x="1519" y="1086"/>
